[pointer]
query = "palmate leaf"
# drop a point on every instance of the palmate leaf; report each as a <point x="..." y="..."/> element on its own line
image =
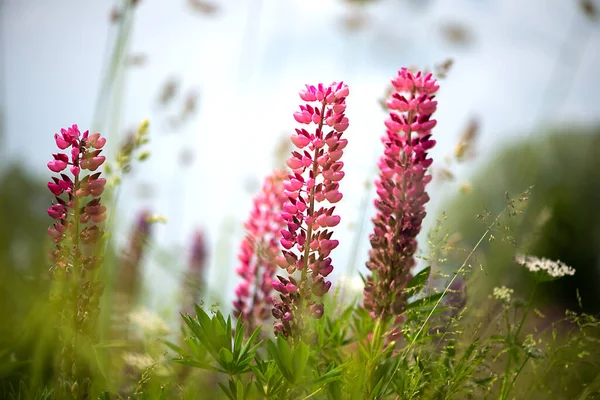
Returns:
<point x="332" y="375"/>
<point x="333" y="332"/>
<point x="201" y="335"/>
<point x="215" y="334"/>
<point x="292" y="361"/>
<point x="225" y="357"/>
<point x="238" y="339"/>
<point x="247" y="351"/>
<point x="227" y="391"/>
<point x="269" y="380"/>
<point x="236" y="389"/>
<point x="299" y="359"/>
<point x="294" y="364"/>
<point x="281" y="353"/>
<point x="173" y="347"/>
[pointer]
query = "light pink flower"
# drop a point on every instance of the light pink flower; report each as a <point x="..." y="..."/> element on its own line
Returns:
<point x="311" y="189"/>
<point x="258" y="251"/>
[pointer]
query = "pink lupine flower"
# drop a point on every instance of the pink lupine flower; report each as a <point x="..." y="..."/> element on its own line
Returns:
<point x="59" y="163"/>
<point x="316" y="170"/>
<point x="401" y="192"/>
<point x="74" y="218"/>
<point x="258" y="251"/>
<point x="77" y="211"/>
<point x="83" y="149"/>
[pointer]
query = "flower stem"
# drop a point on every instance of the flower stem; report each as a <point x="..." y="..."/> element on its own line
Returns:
<point x="526" y="310"/>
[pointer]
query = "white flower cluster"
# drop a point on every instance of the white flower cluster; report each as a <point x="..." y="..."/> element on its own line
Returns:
<point x="556" y="269"/>
<point x="138" y="361"/>
<point x="149" y="322"/>
<point x="503" y="294"/>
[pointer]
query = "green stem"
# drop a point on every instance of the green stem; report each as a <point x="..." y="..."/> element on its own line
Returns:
<point x="508" y="354"/>
<point x="114" y="64"/>
<point x="76" y="276"/>
<point x="540" y="379"/>
<point x="526" y="311"/>
<point x="515" y="338"/>
<point x="512" y="383"/>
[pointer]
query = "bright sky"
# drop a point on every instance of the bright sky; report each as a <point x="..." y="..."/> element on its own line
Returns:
<point x="250" y="59"/>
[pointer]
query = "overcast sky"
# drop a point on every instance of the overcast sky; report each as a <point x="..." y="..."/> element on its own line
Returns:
<point x="248" y="62"/>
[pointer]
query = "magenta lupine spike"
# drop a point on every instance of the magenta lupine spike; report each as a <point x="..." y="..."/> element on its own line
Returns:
<point x="78" y="213"/>
<point x="130" y="274"/>
<point x="74" y="210"/>
<point x="311" y="189"/>
<point x="258" y="251"/>
<point x="401" y="192"/>
<point x="194" y="282"/>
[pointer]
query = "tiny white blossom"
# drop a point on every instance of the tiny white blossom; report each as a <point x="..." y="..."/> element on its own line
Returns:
<point x="503" y="294"/>
<point x="149" y="322"/>
<point x="138" y="361"/>
<point x="554" y="269"/>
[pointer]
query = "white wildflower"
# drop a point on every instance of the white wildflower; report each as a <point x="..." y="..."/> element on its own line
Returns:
<point x="138" y="361"/>
<point x="503" y="294"/>
<point x="554" y="269"/>
<point x="149" y="322"/>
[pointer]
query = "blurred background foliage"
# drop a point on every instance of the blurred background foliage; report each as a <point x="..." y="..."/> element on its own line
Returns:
<point x="561" y="219"/>
<point x="24" y="281"/>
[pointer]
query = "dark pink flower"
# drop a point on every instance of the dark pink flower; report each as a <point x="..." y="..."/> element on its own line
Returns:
<point x="81" y="153"/>
<point x="75" y="234"/>
<point x="57" y="211"/>
<point x="401" y="192"/>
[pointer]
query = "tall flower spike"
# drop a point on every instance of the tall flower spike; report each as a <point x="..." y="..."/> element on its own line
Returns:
<point x="194" y="282"/>
<point x="78" y="213"/>
<point x="77" y="208"/>
<point x="401" y="192"/>
<point x="258" y="251"/>
<point x="311" y="189"/>
<point x="130" y="272"/>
